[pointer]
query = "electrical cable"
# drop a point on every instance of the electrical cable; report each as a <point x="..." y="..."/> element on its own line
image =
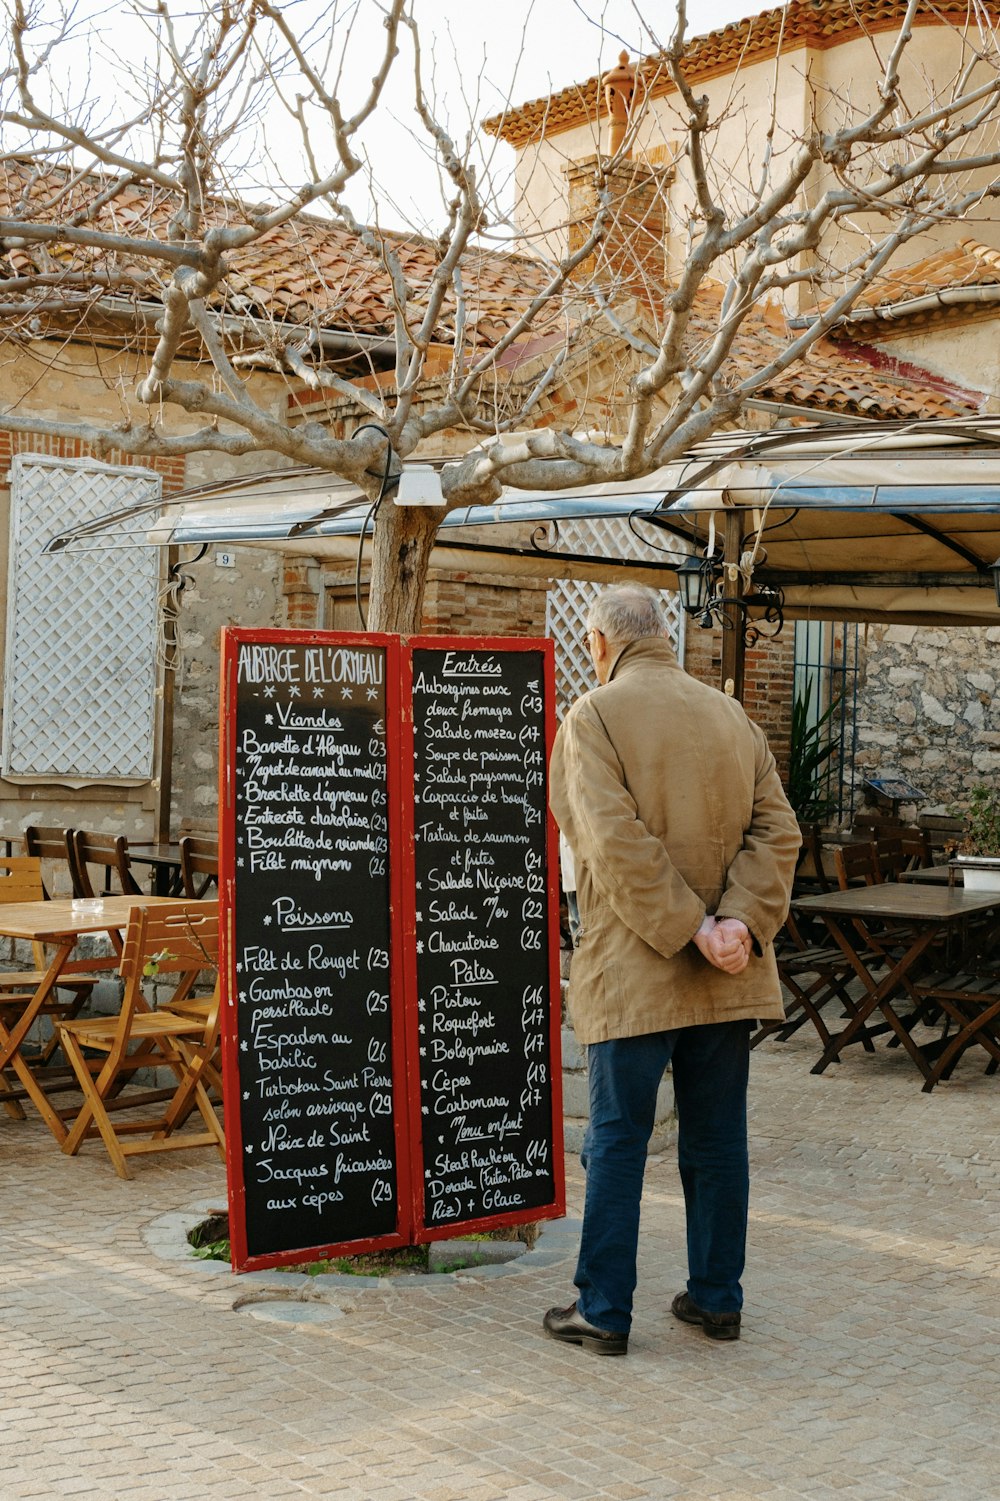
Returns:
<point x="168" y="646"/>
<point x="768" y="531"/>
<point x="635" y="516"/>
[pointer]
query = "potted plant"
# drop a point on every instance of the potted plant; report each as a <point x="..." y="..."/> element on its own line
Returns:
<point x="978" y="851"/>
<point x="809" y="772"/>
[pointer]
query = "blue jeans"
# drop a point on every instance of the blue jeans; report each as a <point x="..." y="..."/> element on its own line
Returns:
<point x="710" y="1069"/>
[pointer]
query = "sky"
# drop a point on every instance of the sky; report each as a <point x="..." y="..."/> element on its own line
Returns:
<point x="524" y="51"/>
<point x="478" y="55"/>
<point x="553" y="43"/>
<point x="513" y="51"/>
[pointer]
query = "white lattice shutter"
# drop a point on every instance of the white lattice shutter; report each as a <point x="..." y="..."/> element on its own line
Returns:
<point x="568" y="603"/>
<point x="80" y="671"/>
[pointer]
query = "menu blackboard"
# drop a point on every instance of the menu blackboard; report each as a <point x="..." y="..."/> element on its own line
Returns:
<point x="390" y="941"/>
<point x="317" y="1070"/>
<point x="483" y="974"/>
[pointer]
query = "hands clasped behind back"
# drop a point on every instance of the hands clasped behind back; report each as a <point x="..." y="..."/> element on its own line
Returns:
<point x="725" y="944"/>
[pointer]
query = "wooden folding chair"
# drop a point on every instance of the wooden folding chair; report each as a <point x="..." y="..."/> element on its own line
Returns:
<point x="861" y="864"/>
<point x="966" y="993"/>
<point x="21" y="881"/>
<point x="811" y="876"/>
<point x="872" y="862"/>
<point x="902" y="850"/>
<point x="199" y="864"/>
<point x="916" y="849"/>
<point x="815" y="972"/>
<point x="52" y="844"/>
<point x="857" y="864"/>
<point x="107" y="852"/>
<point x="810" y="869"/>
<point x="970" y="999"/>
<point x="812" y="974"/>
<point x="196" y="1007"/>
<point x="181" y="941"/>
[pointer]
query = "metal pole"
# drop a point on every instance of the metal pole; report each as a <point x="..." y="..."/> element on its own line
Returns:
<point x="164" y="779"/>
<point x="733" y="644"/>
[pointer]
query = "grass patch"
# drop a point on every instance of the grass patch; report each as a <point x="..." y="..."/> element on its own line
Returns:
<point x="388" y="1263"/>
<point x="209" y="1241"/>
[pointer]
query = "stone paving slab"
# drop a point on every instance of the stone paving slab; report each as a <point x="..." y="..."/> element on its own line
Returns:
<point x="867" y="1370"/>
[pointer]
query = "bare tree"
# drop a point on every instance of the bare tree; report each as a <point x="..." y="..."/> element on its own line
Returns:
<point x="129" y="218"/>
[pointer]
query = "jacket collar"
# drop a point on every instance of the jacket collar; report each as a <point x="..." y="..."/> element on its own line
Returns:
<point x="650" y="650"/>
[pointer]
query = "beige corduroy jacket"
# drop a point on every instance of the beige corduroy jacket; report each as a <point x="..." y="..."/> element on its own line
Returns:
<point x="669" y="798"/>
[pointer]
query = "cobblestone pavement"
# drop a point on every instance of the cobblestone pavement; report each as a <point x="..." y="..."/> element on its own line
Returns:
<point x="867" y="1370"/>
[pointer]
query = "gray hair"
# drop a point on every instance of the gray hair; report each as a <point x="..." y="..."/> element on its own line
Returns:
<point x="627" y="612"/>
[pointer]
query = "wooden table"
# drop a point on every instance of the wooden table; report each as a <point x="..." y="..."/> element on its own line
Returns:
<point x="934" y="875"/>
<point x="61" y="924"/>
<point x="927" y="912"/>
<point x="165" y="860"/>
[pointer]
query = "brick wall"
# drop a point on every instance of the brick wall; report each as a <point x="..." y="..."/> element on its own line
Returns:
<point x="462" y="606"/>
<point x="632" y="255"/>
<point x="767" y="695"/>
<point x="171" y="469"/>
<point x="300" y="586"/>
<point x="455" y="604"/>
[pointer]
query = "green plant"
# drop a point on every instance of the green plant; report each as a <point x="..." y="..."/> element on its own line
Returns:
<point x="982" y="823"/>
<point x="812" y="746"/>
<point x="213" y="1250"/>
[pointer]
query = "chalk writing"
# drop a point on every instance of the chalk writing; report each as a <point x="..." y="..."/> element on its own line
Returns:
<point x="481" y="933"/>
<point x="312" y="945"/>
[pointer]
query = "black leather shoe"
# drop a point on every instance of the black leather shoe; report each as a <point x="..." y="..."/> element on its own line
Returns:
<point x="715" y="1325"/>
<point x="569" y="1325"/>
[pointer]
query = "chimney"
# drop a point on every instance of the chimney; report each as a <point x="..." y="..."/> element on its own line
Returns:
<point x="630" y="262"/>
<point x="619" y="91"/>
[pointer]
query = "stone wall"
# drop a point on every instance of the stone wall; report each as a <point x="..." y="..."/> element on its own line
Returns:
<point x="929" y="710"/>
<point x="249" y="594"/>
<point x="928" y="706"/>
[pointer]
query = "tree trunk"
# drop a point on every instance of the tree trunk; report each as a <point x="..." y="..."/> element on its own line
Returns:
<point x="401" y="551"/>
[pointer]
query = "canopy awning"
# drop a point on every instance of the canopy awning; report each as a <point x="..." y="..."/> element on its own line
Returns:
<point x="879" y="522"/>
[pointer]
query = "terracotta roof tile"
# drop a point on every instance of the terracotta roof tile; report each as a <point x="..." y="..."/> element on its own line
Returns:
<point x="312" y="271"/>
<point x="835" y="377"/>
<point x="841" y="379"/>
<point x="818" y="24"/>
<point x="308" y="270"/>
<point x="967" y="264"/>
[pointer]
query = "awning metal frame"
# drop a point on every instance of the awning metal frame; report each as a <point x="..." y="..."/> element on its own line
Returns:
<point x="797" y="475"/>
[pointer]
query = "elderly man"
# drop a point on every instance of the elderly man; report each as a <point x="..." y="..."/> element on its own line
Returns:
<point x="685" y="847"/>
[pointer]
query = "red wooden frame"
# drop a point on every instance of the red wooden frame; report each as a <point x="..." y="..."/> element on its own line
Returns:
<point x="545" y="649"/>
<point x="232" y="639"/>
<point x="410" y="1225"/>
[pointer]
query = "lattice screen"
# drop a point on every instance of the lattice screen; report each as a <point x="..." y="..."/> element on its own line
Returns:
<point x="568" y="603"/>
<point x="80" y="678"/>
